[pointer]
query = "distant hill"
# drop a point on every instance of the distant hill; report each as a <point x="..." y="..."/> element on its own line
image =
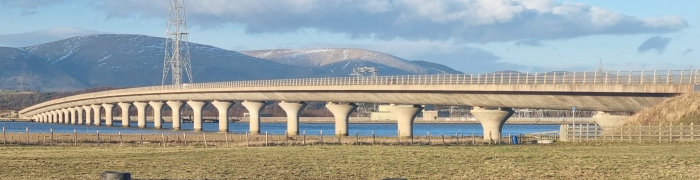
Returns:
<point x="123" y="60"/>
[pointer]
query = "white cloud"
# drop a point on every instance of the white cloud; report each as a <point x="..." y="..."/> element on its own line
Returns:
<point x="460" y="21"/>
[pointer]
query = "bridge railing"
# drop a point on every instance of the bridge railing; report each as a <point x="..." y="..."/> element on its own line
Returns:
<point x="605" y="77"/>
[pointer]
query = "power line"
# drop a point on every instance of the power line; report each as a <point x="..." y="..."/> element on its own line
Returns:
<point x="227" y="25"/>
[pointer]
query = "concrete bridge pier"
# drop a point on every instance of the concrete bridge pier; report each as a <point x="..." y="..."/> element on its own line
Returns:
<point x="62" y="115"/>
<point x="492" y="121"/>
<point x="66" y="116"/>
<point x="46" y="117"/>
<point x="141" y="113"/>
<point x="97" y="118"/>
<point x="175" y="107"/>
<point x="109" y="117"/>
<point x="254" y="108"/>
<point x="197" y="113"/>
<point x="605" y="119"/>
<point x="157" y="113"/>
<point x="54" y="116"/>
<point x="88" y="113"/>
<point x="341" y="112"/>
<point x="223" y="107"/>
<point x="72" y="115"/>
<point x="293" y="109"/>
<point x="404" y="118"/>
<point x="79" y="112"/>
<point x="125" y="106"/>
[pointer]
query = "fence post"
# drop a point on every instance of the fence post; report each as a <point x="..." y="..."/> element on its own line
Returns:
<point x="163" y="136"/>
<point x="4" y="136"/>
<point x="428" y="138"/>
<point x="357" y="139"/>
<point x="691" y="132"/>
<point x="659" y="127"/>
<point x="75" y="137"/>
<point x="184" y="138"/>
<point x="246" y="139"/>
<point x="473" y="139"/>
<point x="443" y="138"/>
<point x="205" y="140"/>
<point x="670" y="132"/>
<point x="304" y="140"/>
<point x="226" y="137"/>
<point x="51" y="129"/>
<point x="121" y="140"/>
<point x="265" y="138"/>
<point x="457" y="136"/>
<point x="373" y="139"/>
<point x="98" y="138"/>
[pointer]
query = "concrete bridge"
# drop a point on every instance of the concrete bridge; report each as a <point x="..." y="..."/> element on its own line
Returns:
<point x="493" y="96"/>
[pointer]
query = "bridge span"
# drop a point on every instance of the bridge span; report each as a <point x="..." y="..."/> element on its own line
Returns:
<point x="493" y="96"/>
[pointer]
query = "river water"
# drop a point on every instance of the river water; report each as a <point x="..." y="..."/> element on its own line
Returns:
<point x="380" y="129"/>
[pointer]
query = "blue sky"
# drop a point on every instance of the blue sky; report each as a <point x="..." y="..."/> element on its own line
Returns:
<point x="472" y="36"/>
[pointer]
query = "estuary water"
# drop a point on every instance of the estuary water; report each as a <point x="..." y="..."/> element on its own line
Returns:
<point x="363" y="129"/>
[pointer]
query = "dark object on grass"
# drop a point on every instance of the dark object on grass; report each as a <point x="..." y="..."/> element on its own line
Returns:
<point x="116" y="175"/>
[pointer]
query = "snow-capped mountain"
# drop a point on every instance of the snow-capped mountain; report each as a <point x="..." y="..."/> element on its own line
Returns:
<point x="345" y="59"/>
<point x="125" y="60"/>
<point x="42" y="36"/>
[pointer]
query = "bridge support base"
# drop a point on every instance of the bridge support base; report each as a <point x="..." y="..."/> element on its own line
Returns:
<point x="125" y="106"/>
<point x="254" y="108"/>
<point x="97" y="118"/>
<point x="79" y="112"/>
<point x="64" y="117"/>
<point x="404" y="118"/>
<point x="604" y="119"/>
<point x="492" y="121"/>
<point x="175" y="107"/>
<point x="223" y="107"/>
<point x="157" y="113"/>
<point x="141" y="113"/>
<point x="109" y="118"/>
<point x="72" y="115"/>
<point x="88" y="114"/>
<point x="293" y="109"/>
<point x="53" y="117"/>
<point x="197" y="113"/>
<point x="341" y="112"/>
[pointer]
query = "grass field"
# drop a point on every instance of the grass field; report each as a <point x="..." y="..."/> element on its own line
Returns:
<point x="561" y="161"/>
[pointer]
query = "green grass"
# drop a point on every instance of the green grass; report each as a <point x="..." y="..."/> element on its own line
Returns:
<point x="562" y="161"/>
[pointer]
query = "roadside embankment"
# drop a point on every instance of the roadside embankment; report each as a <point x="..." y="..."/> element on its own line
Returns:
<point x="680" y="109"/>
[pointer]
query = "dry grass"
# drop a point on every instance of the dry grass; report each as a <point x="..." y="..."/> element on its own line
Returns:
<point x="681" y="109"/>
<point x="561" y="161"/>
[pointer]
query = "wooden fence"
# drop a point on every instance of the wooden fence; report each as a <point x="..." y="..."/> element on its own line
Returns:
<point x="628" y="133"/>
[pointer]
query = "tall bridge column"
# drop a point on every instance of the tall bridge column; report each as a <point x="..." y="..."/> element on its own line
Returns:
<point x="254" y="108"/>
<point x="46" y="117"/>
<point x="175" y="106"/>
<point x="292" y="109"/>
<point x="141" y="109"/>
<point x="125" y="106"/>
<point x="223" y="107"/>
<point x="492" y="121"/>
<point x="88" y="114"/>
<point x="72" y="115"/>
<point x="54" y="116"/>
<point x="404" y="118"/>
<point x="63" y="116"/>
<point x="341" y="112"/>
<point x="605" y="119"/>
<point x="109" y="118"/>
<point x="197" y="113"/>
<point x="157" y="113"/>
<point x="97" y="118"/>
<point x="79" y="112"/>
